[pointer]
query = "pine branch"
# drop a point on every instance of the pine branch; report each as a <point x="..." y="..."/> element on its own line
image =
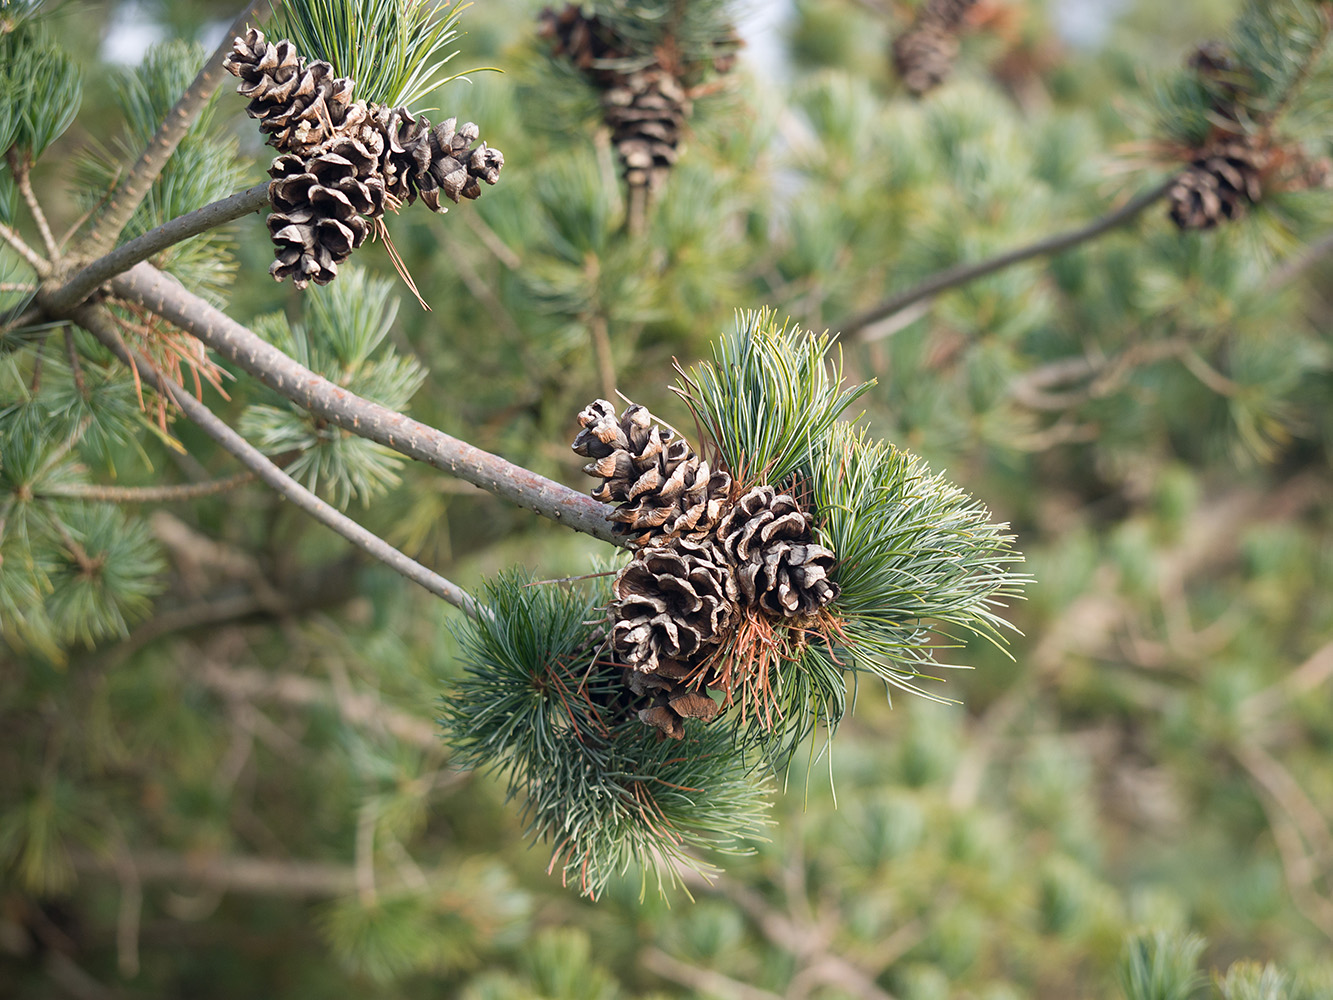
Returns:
<point x="160" y="294"/>
<point x="16" y="243"/>
<point x="181" y="228"/>
<point x="962" y="274"/>
<point x="116" y="214"/>
<point x="19" y="167"/>
<point x="146" y="494"/>
<point x="229" y="873"/>
<point x="99" y="324"/>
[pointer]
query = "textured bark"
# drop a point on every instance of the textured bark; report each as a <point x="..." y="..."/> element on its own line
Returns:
<point x="147" y="286"/>
<point x="181" y="228"/>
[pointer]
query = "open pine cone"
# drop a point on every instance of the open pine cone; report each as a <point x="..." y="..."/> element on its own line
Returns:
<point x="344" y="161"/>
<point x="298" y="105"/>
<point x="661" y="486"/>
<point x="779" y="568"/>
<point x="1219" y="185"/>
<point x="673" y="604"/>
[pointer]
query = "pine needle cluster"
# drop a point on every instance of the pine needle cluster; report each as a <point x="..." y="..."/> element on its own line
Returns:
<point x="919" y="564"/>
<point x="538" y="702"/>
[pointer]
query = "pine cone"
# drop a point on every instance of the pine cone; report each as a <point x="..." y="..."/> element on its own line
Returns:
<point x="318" y="219"/>
<point x="779" y="568"/>
<point x="673" y="605"/>
<point x="923" y="56"/>
<point x="662" y="487"/>
<point x="582" y="40"/>
<point x="298" y="105"/>
<point x="646" y="112"/>
<point x="946" y="14"/>
<point x="1219" y="184"/>
<point x="672" y="699"/>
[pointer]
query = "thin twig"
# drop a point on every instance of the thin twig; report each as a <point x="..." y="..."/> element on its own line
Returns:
<point x="16" y="243"/>
<point x="364" y="710"/>
<point x="701" y="980"/>
<point x="107" y="226"/>
<point x="20" y="168"/>
<point x="146" y="494"/>
<point x="1305" y="678"/>
<point x="230" y="873"/>
<point x="17" y="286"/>
<point x="100" y="324"/>
<point x="491" y="240"/>
<point x="601" y="346"/>
<point x="160" y="294"/>
<point x="181" y="228"/>
<point x="961" y="274"/>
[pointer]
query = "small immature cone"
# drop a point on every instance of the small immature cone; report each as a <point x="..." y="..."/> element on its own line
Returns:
<point x="923" y="57"/>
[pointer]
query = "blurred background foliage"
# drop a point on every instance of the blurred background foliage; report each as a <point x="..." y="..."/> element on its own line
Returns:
<point x="242" y="791"/>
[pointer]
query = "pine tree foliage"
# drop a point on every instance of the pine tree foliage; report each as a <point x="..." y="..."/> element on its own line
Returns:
<point x="343" y="340"/>
<point x="242" y="783"/>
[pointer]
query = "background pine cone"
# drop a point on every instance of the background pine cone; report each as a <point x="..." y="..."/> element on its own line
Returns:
<point x="1219" y="184"/>
<point x="646" y="112"/>
<point x="946" y="14"/>
<point x="661" y="486"/>
<point x="923" y="57"/>
<point x="779" y="568"/>
<point x="673" y="604"/>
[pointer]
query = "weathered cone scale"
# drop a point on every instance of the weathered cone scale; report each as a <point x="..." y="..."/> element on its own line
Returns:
<point x="673" y="700"/>
<point x="779" y="568"/>
<point x="661" y="487"/>
<point x="672" y="604"/>
<point x="1219" y="185"/>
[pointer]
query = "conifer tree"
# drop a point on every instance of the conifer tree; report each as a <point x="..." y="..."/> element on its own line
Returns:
<point x="210" y="697"/>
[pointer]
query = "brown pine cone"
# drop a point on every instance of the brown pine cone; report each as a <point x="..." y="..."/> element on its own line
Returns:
<point x="298" y="105"/>
<point x="582" y="40"/>
<point x="1219" y="185"/>
<point x="923" y="56"/>
<point x="646" y="111"/>
<point x="318" y="218"/>
<point x="779" y="568"/>
<point x="673" y="604"/>
<point x="946" y="14"/>
<point x="662" y="488"/>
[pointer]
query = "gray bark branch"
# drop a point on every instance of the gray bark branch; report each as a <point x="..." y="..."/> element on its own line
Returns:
<point x="98" y="323"/>
<point x="164" y="296"/>
<point x="961" y="274"/>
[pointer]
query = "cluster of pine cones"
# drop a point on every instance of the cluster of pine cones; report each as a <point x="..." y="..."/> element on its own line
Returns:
<point x="644" y="101"/>
<point x="924" y="54"/>
<point x="708" y="553"/>
<point x="342" y="162"/>
<point x="1232" y="170"/>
